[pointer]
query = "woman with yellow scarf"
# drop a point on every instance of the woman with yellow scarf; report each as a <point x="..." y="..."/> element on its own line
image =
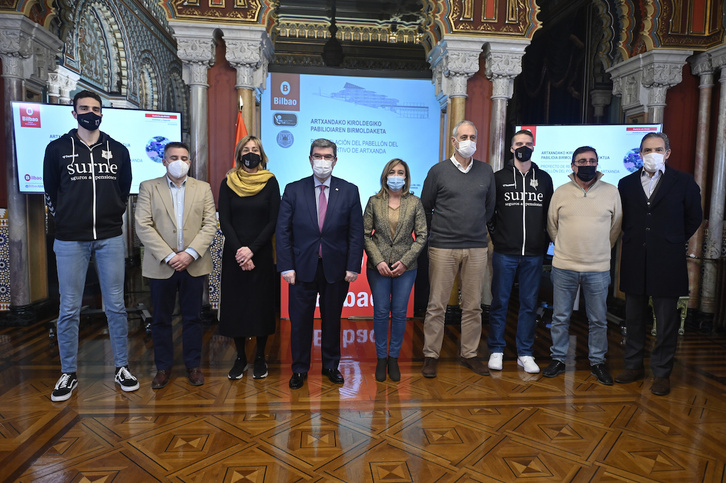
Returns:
<point x="249" y="200"/>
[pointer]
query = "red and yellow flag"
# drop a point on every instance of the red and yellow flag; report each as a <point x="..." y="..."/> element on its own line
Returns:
<point x="240" y="132"/>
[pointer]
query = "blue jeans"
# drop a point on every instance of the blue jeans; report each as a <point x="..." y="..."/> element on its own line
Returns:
<point x="72" y="258"/>
<point x="390" y="296"/>
<point x="504" y="269"/>
<point x="595" y="290"/>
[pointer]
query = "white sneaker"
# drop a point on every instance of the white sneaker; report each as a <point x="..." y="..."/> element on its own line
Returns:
<point x="527" y="362"/>
<point x="495" y="361"/>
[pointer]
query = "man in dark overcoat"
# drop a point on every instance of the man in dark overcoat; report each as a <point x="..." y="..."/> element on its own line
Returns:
<point x="661" y="211"/>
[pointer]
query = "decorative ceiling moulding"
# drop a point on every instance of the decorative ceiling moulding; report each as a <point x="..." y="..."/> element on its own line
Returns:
<point x="255" y="12"/>
<point x="696" y="25"/>
<point x="508" y="18"/>
<point x="349" y="32"/>
<point x="633" y="27"/>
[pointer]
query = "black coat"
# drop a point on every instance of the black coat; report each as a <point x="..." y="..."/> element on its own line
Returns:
<point x="655" y="233"/>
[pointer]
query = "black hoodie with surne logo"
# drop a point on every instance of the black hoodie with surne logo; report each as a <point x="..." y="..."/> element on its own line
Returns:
<point x="519" y="224"/>
<point x="86" y="187"/>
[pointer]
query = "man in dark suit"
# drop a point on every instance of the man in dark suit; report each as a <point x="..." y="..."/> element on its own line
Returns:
<point x="661" y="211"/>
<point x="319" y="251"/>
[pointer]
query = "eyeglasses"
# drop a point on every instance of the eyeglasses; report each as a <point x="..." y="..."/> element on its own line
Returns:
<point x="586" y="162"/>
<point x="327" y="157"/>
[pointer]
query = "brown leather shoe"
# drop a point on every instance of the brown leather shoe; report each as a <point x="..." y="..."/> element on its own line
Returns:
<point x="629" y="375"/>
<point x="475" y="365"/>
<point x="661" y="386"/>
<point x="429" y="367"/>
<point x="161" y="379"/>
<point x="196" y="378"/>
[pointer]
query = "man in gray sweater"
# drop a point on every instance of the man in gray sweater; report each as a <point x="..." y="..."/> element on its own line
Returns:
<point x="458" y="197"/>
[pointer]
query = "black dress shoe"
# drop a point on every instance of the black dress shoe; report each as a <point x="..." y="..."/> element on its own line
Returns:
<point x="554" y="369"/>
<point x="629" y="375"/>
<point x="298" y="380"/>
<point x="661" y="386"/>
<point x="602" y="374"/>
<point x="334" y="375"/>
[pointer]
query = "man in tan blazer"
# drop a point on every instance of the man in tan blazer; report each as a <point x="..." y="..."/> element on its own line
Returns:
<point x="176" y="222"/>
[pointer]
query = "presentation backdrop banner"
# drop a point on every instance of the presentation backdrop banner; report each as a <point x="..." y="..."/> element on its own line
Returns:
<point x="617" y="148"/>
<point x="144" y="133"/>
<point x="372" y="120"/>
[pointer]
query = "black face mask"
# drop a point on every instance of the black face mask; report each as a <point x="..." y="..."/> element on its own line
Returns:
<point x="586" y="173"/>
<point x="89" y="120"/>
<point x="523" y="154"/>
<point x="251" y="160"/>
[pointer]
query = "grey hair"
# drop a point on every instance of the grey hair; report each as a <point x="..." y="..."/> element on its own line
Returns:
<point x="455" y="131"/>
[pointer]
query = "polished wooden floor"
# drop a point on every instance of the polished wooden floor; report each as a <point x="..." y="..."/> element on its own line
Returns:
<point x="457" y="427"/>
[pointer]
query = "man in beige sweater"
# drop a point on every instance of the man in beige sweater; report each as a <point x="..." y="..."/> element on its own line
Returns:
<point x="584" y="221"/>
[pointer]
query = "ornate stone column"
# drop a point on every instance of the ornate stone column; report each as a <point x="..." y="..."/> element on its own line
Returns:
<point x="60" y="84"/>
<point x="642" y="81"/>
<point x="454" y="60"/>
<point x="714" y="239"/>
<point x="599" y="98"/>
<point x="249" y="50"/>
<point x="702" y="67"/>
<point x="503" y="64"/>
<point x="195" y="48"/>
<point x="27" y="51"/>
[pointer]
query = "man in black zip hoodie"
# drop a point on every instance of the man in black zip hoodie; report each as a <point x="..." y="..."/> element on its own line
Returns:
<point x="87" y="178"/>
<point x="519" y="234"/>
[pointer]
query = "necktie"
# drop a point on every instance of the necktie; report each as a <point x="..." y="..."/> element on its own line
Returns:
<point x="322" y="209"/>
<point x="322" y="206"/>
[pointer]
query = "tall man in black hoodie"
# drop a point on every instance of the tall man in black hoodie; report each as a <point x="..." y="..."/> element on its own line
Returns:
<point x="87" y="178"/>
<point x="519" y="233"/>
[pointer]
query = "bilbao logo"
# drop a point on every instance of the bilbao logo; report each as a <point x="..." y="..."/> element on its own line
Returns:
<point x="29" y="116"/>
<point x="285" y="92"/>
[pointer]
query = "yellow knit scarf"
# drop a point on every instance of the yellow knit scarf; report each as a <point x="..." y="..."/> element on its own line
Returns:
<point x="248" y="184"/>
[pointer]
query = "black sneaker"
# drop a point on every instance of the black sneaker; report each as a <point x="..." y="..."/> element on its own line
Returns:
<point x="238" y="369"/>
<point x="64" y="387"/>
<point x="554" y="369"/>
<point x="260" y="371"/>
<point x="125" y="379"/>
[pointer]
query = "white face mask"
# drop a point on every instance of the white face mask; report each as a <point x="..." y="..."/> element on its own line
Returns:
<point x="467" y="148"/>
<point x="653" y="162"/>
<point x="178" y="169"/>
<point x="395" y="183"/>
<point x="322" y="168"/>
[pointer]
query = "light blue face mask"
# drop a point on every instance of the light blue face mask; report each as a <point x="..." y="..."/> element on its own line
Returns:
<point x="395" y="183"/>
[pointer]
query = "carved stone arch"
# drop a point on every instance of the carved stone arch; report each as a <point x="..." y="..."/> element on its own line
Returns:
<point x="150" y="96"/>
<point x="99" y="46"/>
<point x="178" y="99"/>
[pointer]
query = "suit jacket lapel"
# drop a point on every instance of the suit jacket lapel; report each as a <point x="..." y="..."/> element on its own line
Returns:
<point x="664" y="185"/>
<point x="402" y="213"/>
<point x="333" y="197"/>
<point x="190" y="194"/>
<point x="309" y="198"/>
<point x="162" y="186"/>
